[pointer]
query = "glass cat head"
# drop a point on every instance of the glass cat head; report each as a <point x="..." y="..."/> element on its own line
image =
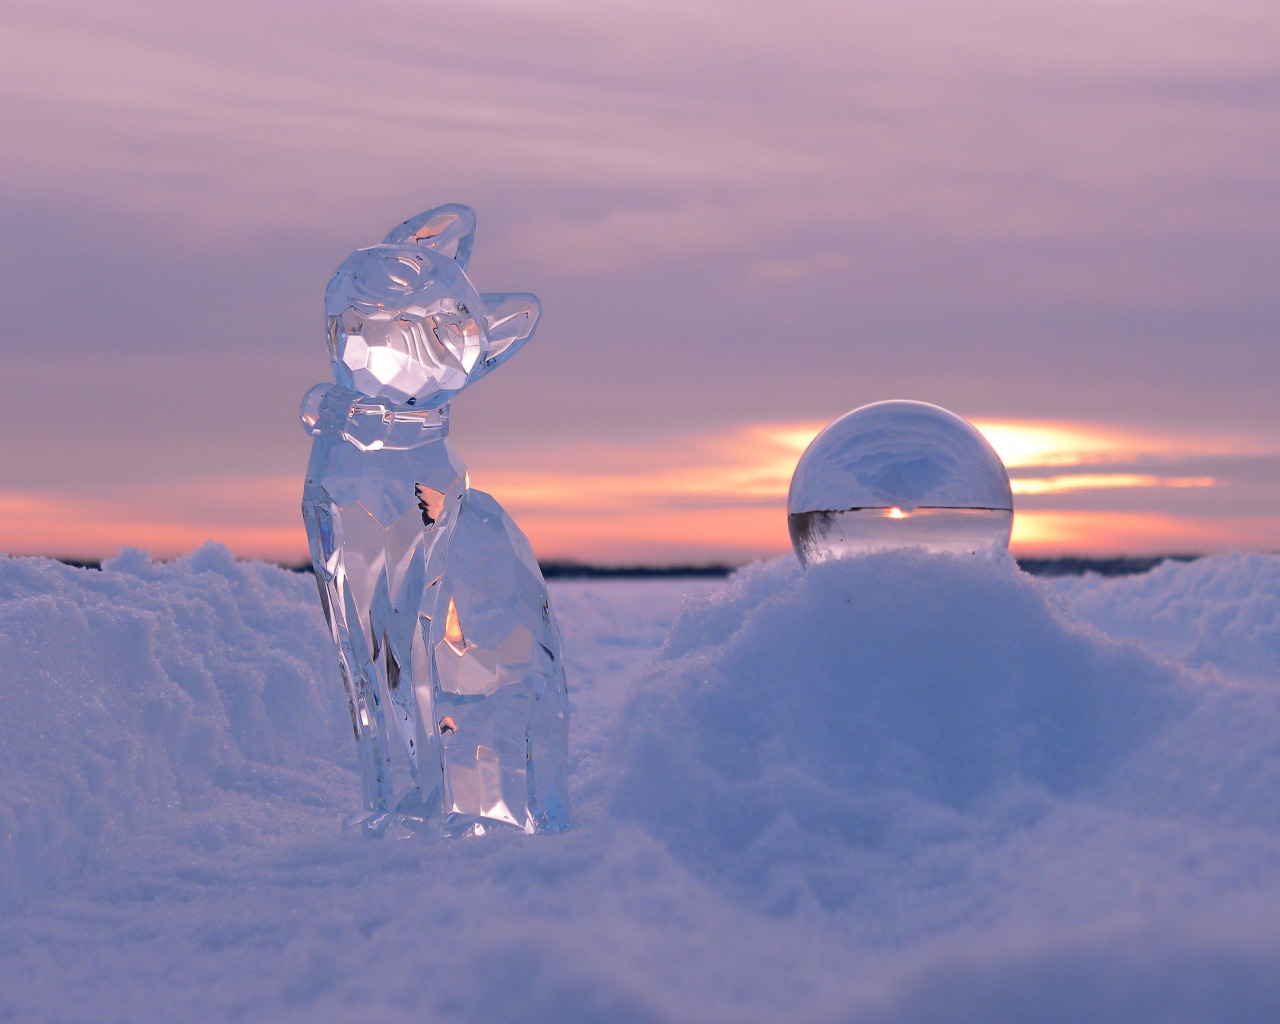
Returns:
<point x="407" y="325"/>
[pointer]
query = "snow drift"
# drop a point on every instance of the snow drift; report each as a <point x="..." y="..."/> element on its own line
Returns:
<point x="802" y="718"/>
<point x="1221" y="612"/>
<point x="892" y="789"/>
<point x="149" y="696"/>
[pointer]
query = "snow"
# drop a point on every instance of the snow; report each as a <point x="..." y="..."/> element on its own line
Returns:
<point x="900" y="788"/>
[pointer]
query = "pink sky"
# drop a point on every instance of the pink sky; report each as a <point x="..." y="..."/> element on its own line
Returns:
<point x="1077" y="488"/>
<point x="743" y="220"/>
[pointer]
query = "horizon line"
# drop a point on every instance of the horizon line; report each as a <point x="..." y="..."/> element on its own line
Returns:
<point x="573" y="569"/>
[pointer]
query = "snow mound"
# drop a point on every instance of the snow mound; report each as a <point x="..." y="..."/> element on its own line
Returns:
<point x="800" y="721"/>
<point x="896" y="789"/>
<point x="155" y="695"/>
<point x="1221" y="612"/>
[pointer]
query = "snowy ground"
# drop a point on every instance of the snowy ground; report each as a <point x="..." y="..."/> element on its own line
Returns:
<point x="897" y="789"/>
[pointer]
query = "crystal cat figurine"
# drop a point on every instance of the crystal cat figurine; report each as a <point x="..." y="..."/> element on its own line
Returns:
<point x="446" y="641"/>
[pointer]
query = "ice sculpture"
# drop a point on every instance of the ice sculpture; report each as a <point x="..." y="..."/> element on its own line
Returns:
<point x="446" y="641"/>
<point x="895" y="475"/>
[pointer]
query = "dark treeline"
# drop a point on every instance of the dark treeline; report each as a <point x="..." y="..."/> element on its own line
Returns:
<point x="560" y="570"/>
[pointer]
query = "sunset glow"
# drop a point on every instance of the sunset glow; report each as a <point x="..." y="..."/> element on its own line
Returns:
<point x="1055" y="220"/>
<point x="713" y="497"/>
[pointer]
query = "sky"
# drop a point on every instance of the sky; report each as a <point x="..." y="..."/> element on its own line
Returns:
<point x="1060" y="220"/>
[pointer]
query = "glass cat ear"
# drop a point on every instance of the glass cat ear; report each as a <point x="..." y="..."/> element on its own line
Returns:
<point x="450" y="230"/>
<point x="509" y="321"/>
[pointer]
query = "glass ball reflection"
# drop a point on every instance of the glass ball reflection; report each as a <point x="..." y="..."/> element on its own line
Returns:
<point x="899" y="475"/>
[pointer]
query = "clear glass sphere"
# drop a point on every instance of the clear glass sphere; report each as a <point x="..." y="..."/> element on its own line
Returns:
<point x="899" y="475"/>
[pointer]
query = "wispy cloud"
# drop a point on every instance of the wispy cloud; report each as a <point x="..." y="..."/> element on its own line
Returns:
<point x="1049" y="211"/>
<point x="725" y="493"/>
<point x="713" y="495"/>
<point x="1101" y="481"/>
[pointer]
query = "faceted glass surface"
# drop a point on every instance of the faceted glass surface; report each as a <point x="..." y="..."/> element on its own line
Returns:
<point x="405" y="322"/>
<point x="402" y="323"/>
<point x="894" y="475"/>
<point x="446" y="641"/>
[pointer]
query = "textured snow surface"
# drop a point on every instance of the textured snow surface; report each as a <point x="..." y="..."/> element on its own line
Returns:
<point x="900" y="788"/>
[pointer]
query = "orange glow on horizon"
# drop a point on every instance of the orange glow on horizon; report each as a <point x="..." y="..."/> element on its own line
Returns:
<point x="164" y="521"/>
<point x="1051" y="532"/>
<point x="712" y="497"/>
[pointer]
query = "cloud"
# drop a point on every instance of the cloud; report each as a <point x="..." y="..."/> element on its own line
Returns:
<point x="1049" y="212"/>
<point x="714" y="495"/>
